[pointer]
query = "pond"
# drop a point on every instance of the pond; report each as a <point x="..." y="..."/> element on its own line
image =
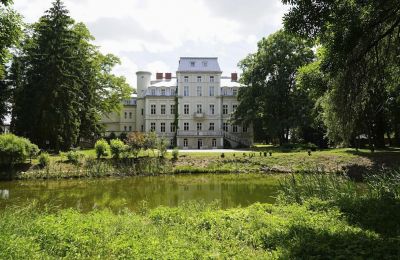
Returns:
<point x="231" y="190"/>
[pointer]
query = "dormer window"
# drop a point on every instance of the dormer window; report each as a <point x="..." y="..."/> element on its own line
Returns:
<point x="192" y="63"/>
<point x="204" y="63"/>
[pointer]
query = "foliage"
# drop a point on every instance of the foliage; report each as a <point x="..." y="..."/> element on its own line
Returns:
<point x="44" y="160"/>
<point x="162" y="145"/>
<point x="360" y="64"/>
<point x="74" y="157"/>
<point x="191" y="231"/>
<point x="10" y="33"/>
<point x="375" y="206"/>
<point x="270" y="96"/>
<point x="150" y="141"/>
<point x="117" y="148"/>
<point x="102" y="148"/>
<point x="14" y="149"/>
<point x="135" y="142"/>
<point x="63" y="83"/>
<point x="175" y="153"/>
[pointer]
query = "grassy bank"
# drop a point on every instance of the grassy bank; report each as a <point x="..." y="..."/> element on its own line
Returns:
<point x="192" y="231"/>
<point x="319" y="216"/>
<point x="256" y="160"/>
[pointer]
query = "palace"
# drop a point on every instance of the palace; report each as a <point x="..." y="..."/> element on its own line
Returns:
<point x="199" y="100"/>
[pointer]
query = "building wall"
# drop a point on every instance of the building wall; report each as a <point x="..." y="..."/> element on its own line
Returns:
<point x="155" y="94"/>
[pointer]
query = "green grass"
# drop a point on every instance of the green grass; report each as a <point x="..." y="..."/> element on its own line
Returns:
<point x="191" y="231"/>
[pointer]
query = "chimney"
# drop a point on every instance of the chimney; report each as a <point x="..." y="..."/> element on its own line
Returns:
<point x="159" y="76"/>
<point x="168" y="75"/>
<point x="234" y="76"/>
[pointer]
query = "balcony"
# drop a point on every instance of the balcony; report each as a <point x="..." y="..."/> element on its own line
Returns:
<point x="200" y="115"/>
<point x="199" y="133"/>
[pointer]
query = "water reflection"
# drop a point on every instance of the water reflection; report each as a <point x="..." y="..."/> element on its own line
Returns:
<point x="230" y="190"/>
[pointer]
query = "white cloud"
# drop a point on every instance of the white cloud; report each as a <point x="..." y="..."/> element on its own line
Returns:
<point x="153" y="34"/>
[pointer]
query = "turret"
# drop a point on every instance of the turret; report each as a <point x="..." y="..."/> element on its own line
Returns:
<point x="143" y="81"/>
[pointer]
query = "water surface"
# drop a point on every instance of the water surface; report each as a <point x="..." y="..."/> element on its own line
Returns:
<point x="231" y="190"/>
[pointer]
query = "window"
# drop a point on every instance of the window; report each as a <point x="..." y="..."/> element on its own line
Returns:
<point x="224" y="109"/>
<point x="153" y="92"/>
<point x="142" y="111"/>
<point x="199" y="143"/>
<point x="204" y="63"/>
<point x="185" y="142"/>
<point x="142" y="128"/>
<point x="172" y="109"/>
<point x="130" y="128"/>
<point x="211" y="91"/>
<point x="130" y="114"/>
<point x="152" y="126"/>
<point x="234" y="92"/>
<point x="244" y="129"/>
<point x="224" y="91"/>
<point x="211" y="78"/>
<point x="186" y="126"/>
<point x="211" y="127"/>
<point x="172" y="92"/>
<point x="186" y="91"/>
<point x="126" y="115"/>
<point x="162" y="127"/>
<point x="199" y="108"/>
<point x="162" y="92"/>
<point x="172" y="127"/>
<point x="198" y="78"/>
<point x="186" y="109"/>
<point x="225" y="127"/>
<point x="171" y="143"/>
<point x="234" y="128"/>
<point x="192" y="64"/>
<point x="125" y="128"/>
<point x="199" y="91"/>
<point x="214" y="142"/>
<point x="162" y="109"/>
<point x="167" y="91"/>
<point x="212" y="109"/>
<point x="234" y="107"/>
<point x="199" y="126"/>
<point x="186" y="79"/>
<point x="153" y="109"/>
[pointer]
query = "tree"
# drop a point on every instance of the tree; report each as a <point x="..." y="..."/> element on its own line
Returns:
<point x="361" y="39"/>
<point x="64" y="83"/>
<point x="270" y="98"/>
<point x="10" y="33"/>
<point x="135" y="142"/>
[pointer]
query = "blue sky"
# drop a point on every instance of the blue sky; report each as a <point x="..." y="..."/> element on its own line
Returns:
<point x="153" y="34"/>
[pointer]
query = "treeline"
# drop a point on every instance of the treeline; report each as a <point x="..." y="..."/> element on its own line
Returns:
<point x="331" y="76"/>
<point x="58" y="83"/>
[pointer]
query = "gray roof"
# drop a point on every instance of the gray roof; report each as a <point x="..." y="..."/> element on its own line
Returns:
<point x="198" y="64"/>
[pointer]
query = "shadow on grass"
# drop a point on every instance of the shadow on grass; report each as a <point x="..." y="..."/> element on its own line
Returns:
<point x="388" y="158"/>
<point x="302" y="242"/>
<point x="381" y="215"/>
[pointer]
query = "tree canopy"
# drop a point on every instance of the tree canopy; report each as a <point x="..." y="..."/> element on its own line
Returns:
<point x="62" y="82"/>
<point x="271" y="98"/>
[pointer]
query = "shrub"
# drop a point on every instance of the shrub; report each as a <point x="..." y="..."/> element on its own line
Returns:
<point x="14" y="149"/>
<point x="162" y="145"/>
<point x="101" y="148"/>
<point x="135" y="142"/>
<point x="74" y="156"/>
<point x="44" y="159"/>
<point x="222" y="155"/>
<point x="117" y="148"/>
<point x="175" y="153"/>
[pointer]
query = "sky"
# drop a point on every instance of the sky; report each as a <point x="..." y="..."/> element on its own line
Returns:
<point x="152" y="34"/>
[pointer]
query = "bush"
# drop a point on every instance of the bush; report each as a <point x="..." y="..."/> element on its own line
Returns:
<point x="175" y="153"/>
<point x="135" y="142"/>
<point x="44" y="159"/>
<point x="74" y="156"/>
<point x="117" y="148"/>
<point x="101" y="148"/>
<point x="14" y="149"/>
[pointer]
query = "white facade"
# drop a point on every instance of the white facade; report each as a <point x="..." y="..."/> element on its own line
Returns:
<point x="204" y="98"/>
